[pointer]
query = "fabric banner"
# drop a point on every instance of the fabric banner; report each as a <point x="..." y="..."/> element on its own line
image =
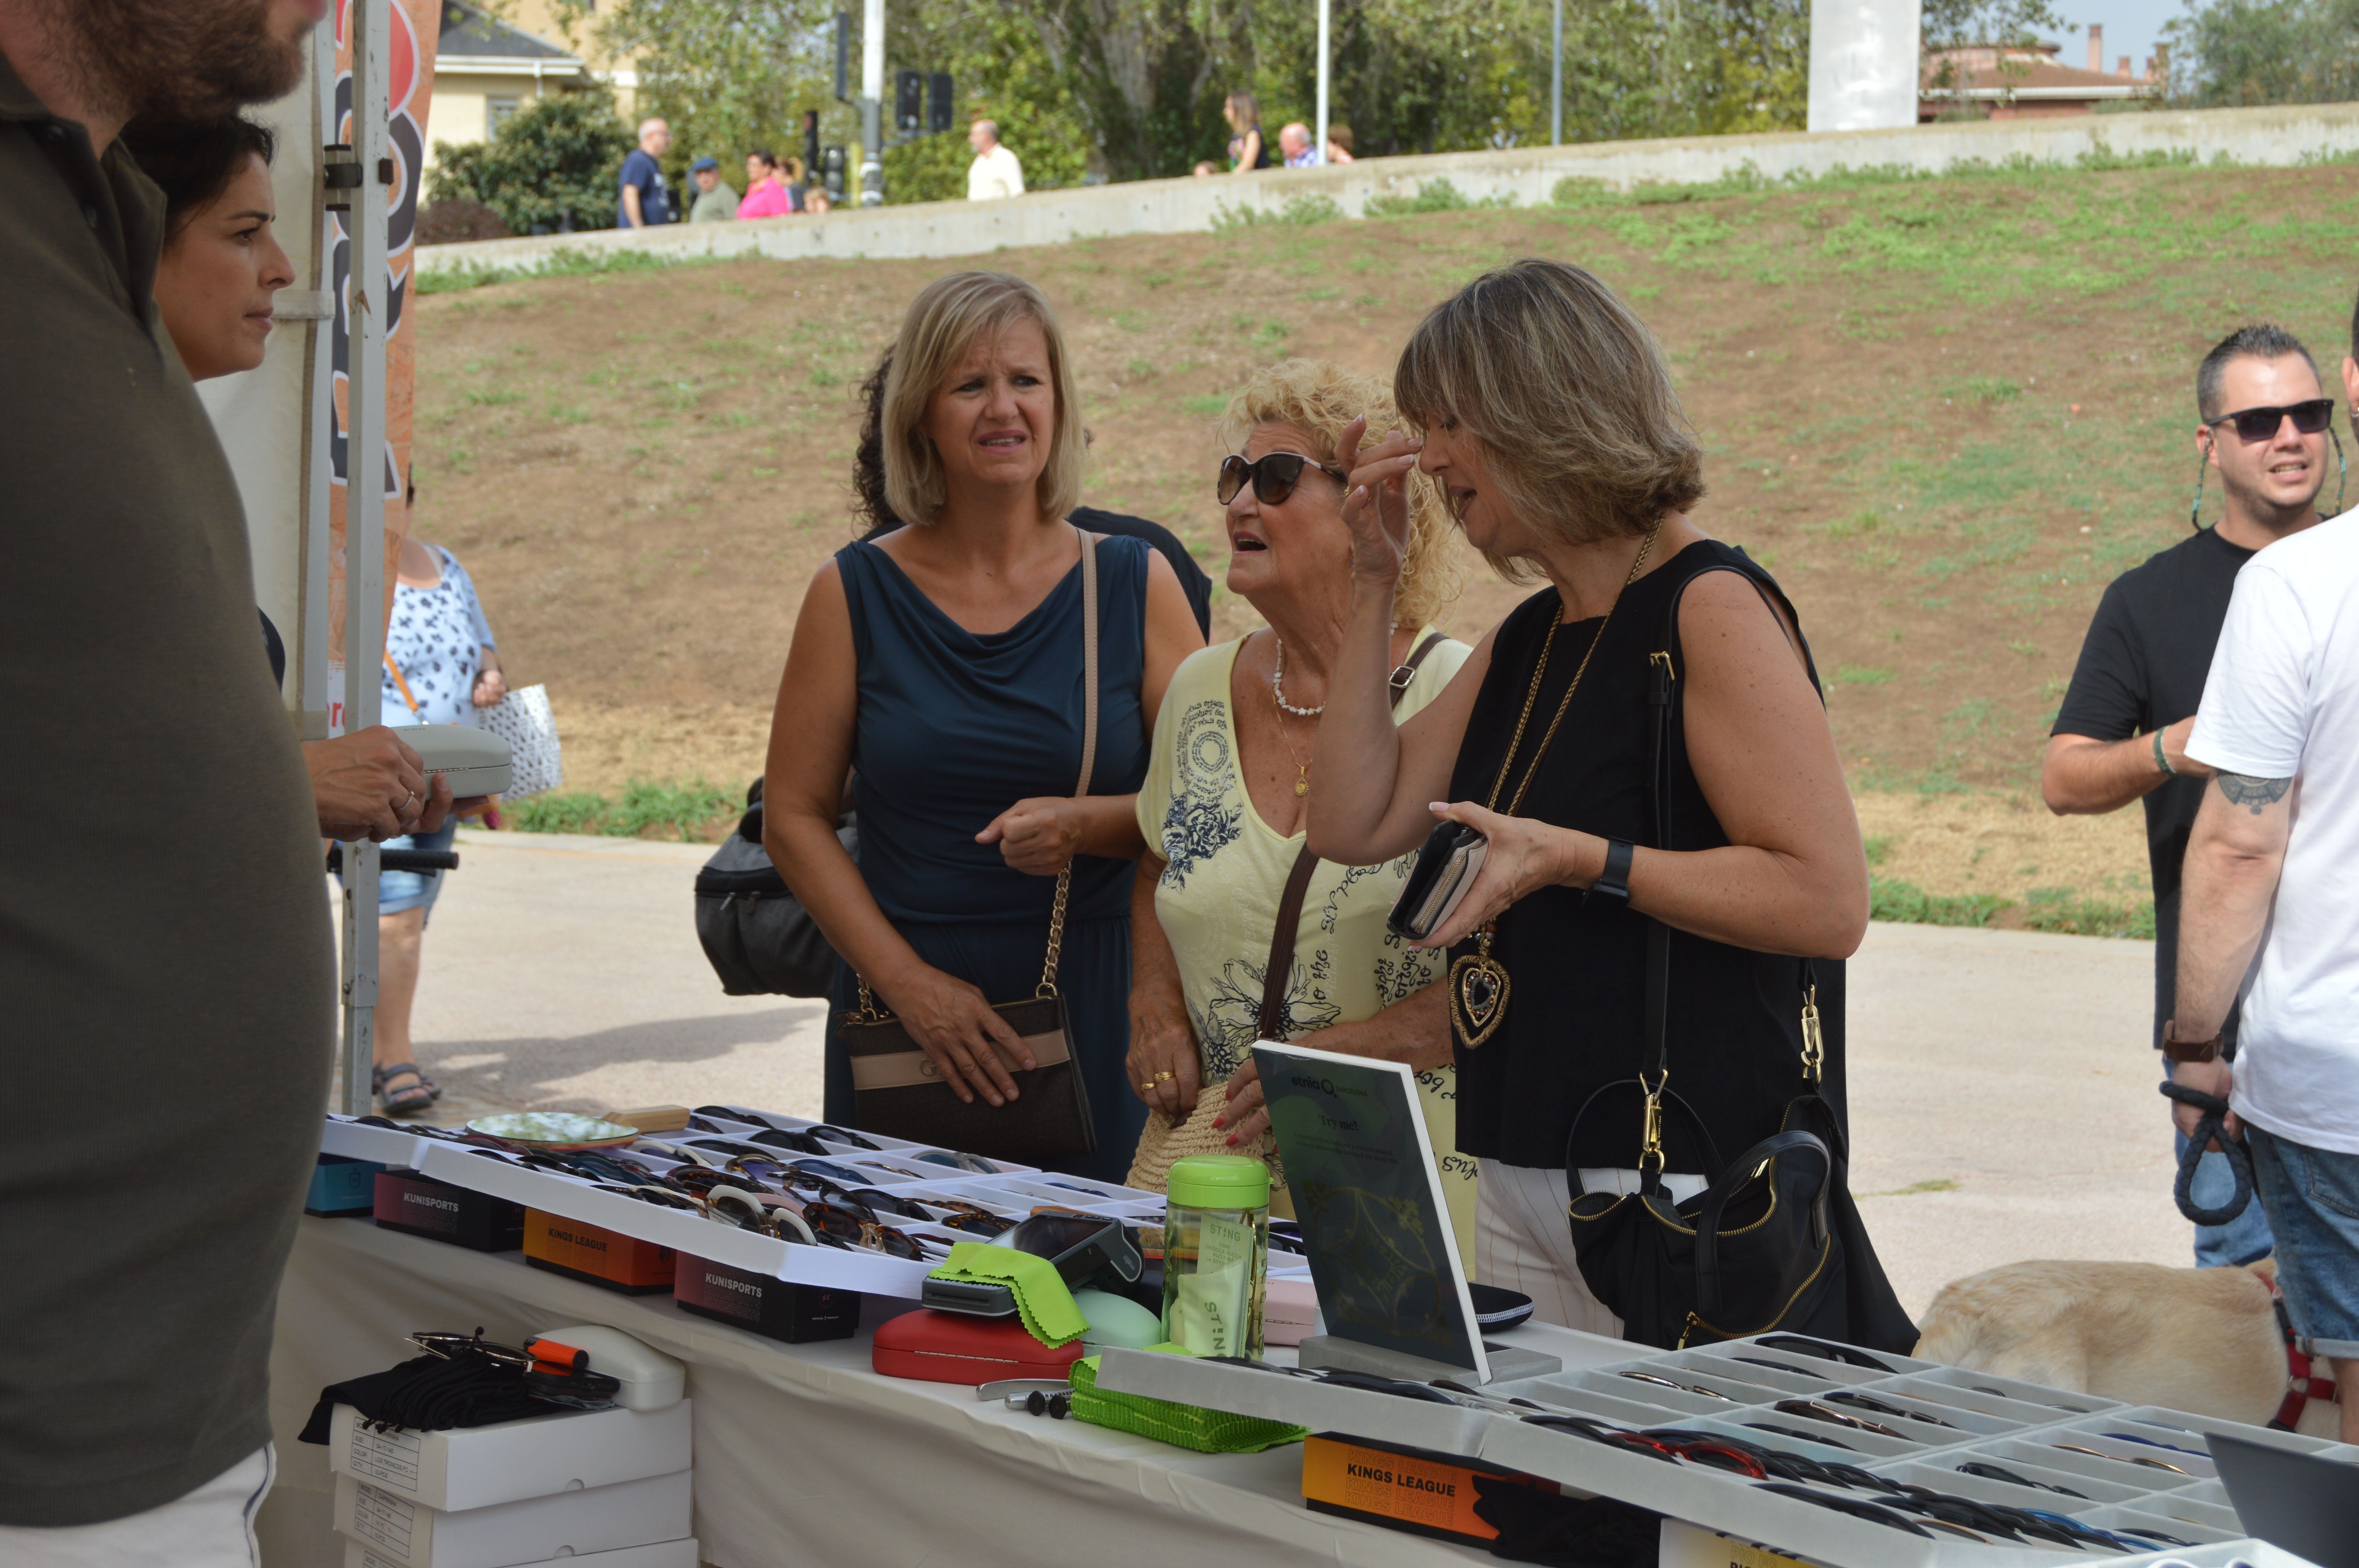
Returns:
<point x="415" y="26"/>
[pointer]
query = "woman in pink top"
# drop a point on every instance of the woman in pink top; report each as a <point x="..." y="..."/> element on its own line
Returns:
<point x="766" y="193"/>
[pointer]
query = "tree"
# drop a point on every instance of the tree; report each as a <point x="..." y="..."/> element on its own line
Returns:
<point x="2234" y="52"/>
<point x="552" y="166"/>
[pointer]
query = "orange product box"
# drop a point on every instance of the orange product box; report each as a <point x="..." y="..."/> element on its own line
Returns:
<point x="602" y="1256"/>
<point x="1404" y="1488"/>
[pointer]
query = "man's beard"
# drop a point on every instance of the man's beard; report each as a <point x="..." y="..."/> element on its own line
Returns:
<point x="180" y="59"/>
<point x="2260" y="505"/>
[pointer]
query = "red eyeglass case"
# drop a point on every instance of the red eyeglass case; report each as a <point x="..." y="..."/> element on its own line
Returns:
<point x="956" y="1347"/>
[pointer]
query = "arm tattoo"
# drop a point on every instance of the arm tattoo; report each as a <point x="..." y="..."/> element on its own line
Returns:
<point x="2246" y="790"/>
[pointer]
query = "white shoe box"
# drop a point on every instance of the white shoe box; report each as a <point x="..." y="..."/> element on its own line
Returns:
<point x="567" y="1524"/>
<point x="663" y="1554"/>
<point x="478" y="1466"/>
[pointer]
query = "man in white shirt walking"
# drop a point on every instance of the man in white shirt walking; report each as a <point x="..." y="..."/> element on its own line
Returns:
<point x="2268" y="872"/>
<point x="995" y="172"/>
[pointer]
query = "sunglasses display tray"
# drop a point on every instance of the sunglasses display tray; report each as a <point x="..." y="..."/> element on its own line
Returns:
<point x="1013" y="1192"/>
<point x="1998" y="1426"/>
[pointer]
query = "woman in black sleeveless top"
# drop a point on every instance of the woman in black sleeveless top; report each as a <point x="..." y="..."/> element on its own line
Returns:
<point x="1551" y="424"/>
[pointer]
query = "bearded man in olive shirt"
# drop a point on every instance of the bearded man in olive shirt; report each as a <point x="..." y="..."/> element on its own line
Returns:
<point x="167" y="976"/>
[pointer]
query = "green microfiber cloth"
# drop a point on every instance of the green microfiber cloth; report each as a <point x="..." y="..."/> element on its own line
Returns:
<point x="1041" y="1299"/>
<point x="1188" y="1426"/>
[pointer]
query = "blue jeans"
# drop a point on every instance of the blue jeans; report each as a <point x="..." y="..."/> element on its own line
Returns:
<point x="2313" y="1202"/>
<point x="2243" y="1239"/>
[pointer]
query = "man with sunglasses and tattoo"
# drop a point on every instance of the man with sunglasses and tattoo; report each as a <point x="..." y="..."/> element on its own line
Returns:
<point x="2271" y="915"/>
<point x="2264" y="425"/>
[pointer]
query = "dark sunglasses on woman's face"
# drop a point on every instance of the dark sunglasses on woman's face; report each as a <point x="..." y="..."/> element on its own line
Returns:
<point x="1273" y="477"/>
<point x="2262" y="424"/>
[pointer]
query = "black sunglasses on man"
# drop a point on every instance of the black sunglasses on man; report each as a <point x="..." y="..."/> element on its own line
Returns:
<point x="2309" y="418"/>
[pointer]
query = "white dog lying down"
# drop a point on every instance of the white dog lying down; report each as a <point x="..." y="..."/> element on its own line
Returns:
<point x="2205" y="1340"/>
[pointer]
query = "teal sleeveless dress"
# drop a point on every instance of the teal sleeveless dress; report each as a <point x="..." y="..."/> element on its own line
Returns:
<point x="953" y="729"/>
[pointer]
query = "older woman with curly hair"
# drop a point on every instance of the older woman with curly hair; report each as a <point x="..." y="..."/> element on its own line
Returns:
<point x="1229" y="780"/>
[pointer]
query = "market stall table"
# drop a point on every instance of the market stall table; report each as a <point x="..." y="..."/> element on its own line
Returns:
<point x="806" y="1456"/>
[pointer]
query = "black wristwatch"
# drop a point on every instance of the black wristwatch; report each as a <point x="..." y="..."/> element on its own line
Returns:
<point x="1613" y="881"/>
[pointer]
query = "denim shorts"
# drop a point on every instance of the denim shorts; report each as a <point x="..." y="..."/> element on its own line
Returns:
<point x="2312" y="1196"/>
<point x="397" y="890"/>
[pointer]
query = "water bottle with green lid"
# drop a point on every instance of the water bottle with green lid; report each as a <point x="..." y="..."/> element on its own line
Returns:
<point x="1215" y="1254"/>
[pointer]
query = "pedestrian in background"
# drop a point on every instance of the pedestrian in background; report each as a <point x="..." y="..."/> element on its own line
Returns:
<point x="715" y="202"/>
<point x="1339" y="144"/>
<point x="2268" y="910"/>
<point x="135" y="1333"/>
<point x="439" y="666"/>
<point x="2120" y="734"/>
<point x="1246" y="150"/>
<point x="1294" y="146"/>
<point x="994" y="173"/>
<point x="766" y="194"/>
<point x="645" y="200"/>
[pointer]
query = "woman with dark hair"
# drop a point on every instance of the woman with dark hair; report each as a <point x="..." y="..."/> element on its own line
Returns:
<point x="215" y="281"/>
<point x="1717" y="851"/>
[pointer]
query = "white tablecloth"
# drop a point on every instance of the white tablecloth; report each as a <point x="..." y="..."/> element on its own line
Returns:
<point x="806" y="1456"/>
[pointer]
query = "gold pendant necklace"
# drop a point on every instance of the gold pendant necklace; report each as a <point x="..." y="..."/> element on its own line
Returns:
<point x="1478" y="983"/>
<point x="1301" y="768"/>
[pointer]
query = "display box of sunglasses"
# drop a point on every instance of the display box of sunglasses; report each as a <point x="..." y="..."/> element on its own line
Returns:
<point x="764" y="1304"/>
<point x="679" y="1553"/>
<point x="596" y="1255"/>
<point x="352" y="1137"/>
<point x="569" y="1525"/>
<point x="752" y="1120"/>
<point x="852" y="1269"/>
<point x="480" y="1466"/>
<point x="342" y="1186"/>
<point x="420" y="1205"/>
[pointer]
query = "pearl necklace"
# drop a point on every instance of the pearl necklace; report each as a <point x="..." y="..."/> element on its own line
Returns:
<point x="1277" y="690"/>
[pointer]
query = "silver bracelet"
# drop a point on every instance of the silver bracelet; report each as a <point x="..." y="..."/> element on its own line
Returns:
<point x="2161" y="761"/>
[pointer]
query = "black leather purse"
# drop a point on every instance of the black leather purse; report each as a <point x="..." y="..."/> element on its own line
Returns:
<point x="1774" y="1241"/>
<point x="756" y="935"/>
<point x="898" y="1089"/>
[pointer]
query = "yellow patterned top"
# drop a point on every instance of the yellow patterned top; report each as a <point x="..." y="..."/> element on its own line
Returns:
<point x="1226" y="870"/>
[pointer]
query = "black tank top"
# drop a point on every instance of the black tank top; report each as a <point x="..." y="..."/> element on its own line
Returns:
<point x="1575" y="1015"/>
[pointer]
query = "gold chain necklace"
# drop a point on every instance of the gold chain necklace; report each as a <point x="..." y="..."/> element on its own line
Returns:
<point x="1301" y="768"/>
<point x="1478" y="982"/>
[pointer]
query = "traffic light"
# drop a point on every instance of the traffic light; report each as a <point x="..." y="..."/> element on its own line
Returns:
<point x="844" y="56"/>
<point x="938" y="106"/>
<point x="832" y="163"/>
<point x="811" y="143"/>
<point x="908" y="102"/>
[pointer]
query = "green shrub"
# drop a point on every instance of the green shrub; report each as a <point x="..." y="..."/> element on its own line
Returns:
<point x="2061" y="910"/>
<point x="1298" y="209"/>
<point x="675" y="810"/>
<point x="1910" y="904"/>
<point x="1433" y="196"/>
<point x="551" y="167"/>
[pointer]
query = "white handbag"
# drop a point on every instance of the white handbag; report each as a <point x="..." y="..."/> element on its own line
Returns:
<point x="522" y="719"/>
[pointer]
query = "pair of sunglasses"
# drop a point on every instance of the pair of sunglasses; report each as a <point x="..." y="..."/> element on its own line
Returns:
<point x="2262" y="424"/>
<point x="1273" y="477"/>
<point x="1861" y="1402"/>
<point x="956" y="1162"/>
<point x="1811" y="1410"/>
<point x="1666" y="1383"/>
<point x="1990" y="1471"/>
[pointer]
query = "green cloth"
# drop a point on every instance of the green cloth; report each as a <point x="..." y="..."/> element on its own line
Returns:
<point x="1041" y="1299"/>
<point x="718" y="205"/>
<point x="1188" y="1426"/>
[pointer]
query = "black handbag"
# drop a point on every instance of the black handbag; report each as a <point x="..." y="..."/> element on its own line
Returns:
<point x="756" y="935"/>
<point x="898" y="1089"/>
<point x="1774" y="1241"/>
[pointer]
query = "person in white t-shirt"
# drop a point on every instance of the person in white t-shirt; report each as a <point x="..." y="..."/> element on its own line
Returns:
<point x="995" y="172"/>
<point x="2269" y="872"/>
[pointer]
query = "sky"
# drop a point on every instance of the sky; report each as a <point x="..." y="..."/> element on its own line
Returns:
<point x="2132" y="27"/>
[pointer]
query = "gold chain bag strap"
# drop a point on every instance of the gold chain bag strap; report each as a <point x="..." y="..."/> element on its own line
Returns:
<point x="1167" y="1138"/>
<point x="898" y="1089"/>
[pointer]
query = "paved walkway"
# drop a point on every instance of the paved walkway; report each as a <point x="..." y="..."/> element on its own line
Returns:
<point x="2001" y="1091"/>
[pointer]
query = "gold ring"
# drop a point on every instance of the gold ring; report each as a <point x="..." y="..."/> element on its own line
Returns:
<point x="1147" y="1086"/>
<point x="1162" y="1077"/>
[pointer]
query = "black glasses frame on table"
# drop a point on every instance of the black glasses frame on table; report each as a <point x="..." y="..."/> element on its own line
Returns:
<point x="2310" y="417"/>
<point x="1273" y="476"/>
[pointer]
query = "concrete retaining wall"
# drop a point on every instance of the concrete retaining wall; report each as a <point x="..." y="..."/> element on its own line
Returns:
<point x="2262" y="137"/>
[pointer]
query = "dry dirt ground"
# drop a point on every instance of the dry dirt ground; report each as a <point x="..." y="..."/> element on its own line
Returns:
<point x="1945" y="414"/>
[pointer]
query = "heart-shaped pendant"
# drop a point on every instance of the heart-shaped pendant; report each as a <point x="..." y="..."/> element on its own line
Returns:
<point x="1478" y="997"/>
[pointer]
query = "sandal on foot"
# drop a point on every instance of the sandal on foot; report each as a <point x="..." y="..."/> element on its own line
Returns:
<point x="410" y="1097"/>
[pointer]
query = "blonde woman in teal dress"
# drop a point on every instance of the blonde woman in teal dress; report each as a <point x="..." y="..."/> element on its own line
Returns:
<point x="1230" y="772"/>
